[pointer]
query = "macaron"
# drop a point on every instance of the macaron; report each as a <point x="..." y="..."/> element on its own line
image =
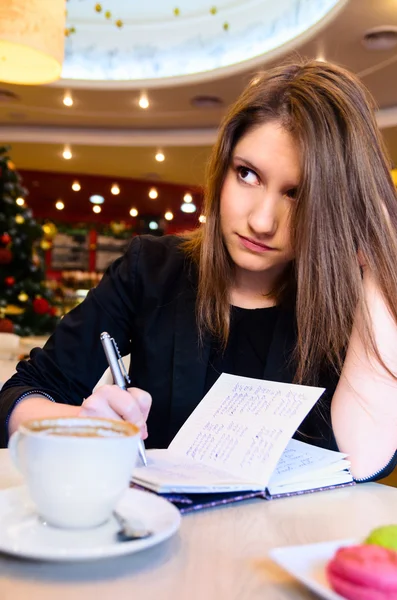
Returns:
<point x="364" y="572"/>
<point x="384" y="536"/>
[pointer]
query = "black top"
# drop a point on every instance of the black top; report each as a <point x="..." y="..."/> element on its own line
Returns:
<point x="251" y="332"/>
<point x="146" y="300"/>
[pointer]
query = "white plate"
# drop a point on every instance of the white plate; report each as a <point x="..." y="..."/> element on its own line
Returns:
<point x="23" y="534"/>
<point x="308" y="563"/>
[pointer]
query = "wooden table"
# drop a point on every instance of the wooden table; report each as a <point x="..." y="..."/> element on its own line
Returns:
<point x="217" y="554"/>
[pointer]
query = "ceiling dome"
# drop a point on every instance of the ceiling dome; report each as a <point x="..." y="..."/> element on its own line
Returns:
<point x="123" y="41"/>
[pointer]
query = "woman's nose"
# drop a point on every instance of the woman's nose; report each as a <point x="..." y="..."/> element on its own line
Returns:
<point x="263" y="216"/>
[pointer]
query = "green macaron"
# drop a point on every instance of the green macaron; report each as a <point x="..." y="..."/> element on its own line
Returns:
<point x="384" y="536"/>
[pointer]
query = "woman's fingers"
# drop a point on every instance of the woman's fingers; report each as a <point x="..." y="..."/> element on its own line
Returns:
<point x="112" y="402"/>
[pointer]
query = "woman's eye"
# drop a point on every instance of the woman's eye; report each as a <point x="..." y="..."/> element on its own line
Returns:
<point x="246" y="175"/>
<point x="292" y="193"/>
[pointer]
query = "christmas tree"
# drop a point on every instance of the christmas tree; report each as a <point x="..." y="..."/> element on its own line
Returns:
<point x="26" y="306"/>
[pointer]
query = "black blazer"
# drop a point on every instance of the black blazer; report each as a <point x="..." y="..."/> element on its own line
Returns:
<point x="146" y="300"/>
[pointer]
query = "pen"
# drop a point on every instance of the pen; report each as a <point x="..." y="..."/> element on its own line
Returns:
<point x="121" y="379"/>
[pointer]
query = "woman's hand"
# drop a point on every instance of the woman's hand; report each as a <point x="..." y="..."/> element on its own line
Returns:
<point x="111" y="402"/>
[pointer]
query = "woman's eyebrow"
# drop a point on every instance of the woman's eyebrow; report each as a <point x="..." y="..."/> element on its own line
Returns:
<point x="246" y="162"/>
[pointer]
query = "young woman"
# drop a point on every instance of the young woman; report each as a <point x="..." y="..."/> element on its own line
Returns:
<point x="293" y="277"/>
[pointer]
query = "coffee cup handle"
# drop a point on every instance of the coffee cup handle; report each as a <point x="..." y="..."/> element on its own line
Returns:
<point x="13" y="445"/>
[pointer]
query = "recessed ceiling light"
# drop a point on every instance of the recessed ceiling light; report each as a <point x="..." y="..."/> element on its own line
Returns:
<point x="143" y="101"/>
<point x="115" y="190"/>
<point x="76" y="187"/>
<point x="96" y="209"/>
<point x="188" y="208"/>
<point x="95" y="199"/>
<point x="153" y="193"/>
<point x="59" y="205"/>
<point x="188" y="197"/>
<point x="133" y="212"/>
<point x="67" y="153"/>
<point x="67" y="99"/>
<point x="202" y="219"/>
<point x="204" y="101"/>
<point x="153" y="225"/>
<point x="380" y="38"/>
<point x="168" y="216"/>
<point x="159" y="156"/>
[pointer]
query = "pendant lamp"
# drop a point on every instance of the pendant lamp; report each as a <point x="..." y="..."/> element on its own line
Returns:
<point x="32" y="38"/>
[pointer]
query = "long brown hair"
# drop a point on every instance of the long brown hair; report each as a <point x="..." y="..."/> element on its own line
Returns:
<point x="346" y="201"/>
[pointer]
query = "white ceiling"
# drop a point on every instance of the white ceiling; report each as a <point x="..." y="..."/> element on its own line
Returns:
<point x="109" y="134"/>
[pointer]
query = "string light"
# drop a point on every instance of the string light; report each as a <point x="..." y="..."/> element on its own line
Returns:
<point x="188" y="197"/>
<point x="153" y="193"/>
<point x="20" y="201"/>
<point x="59" y="205"/>
<point x="133" y="212"/>
<point x="115" y="190"/>
<point x="160" y="156"/>
<point x="76" y="187"/>
<point x="168" y="216"/>
<point x="96" y="209"/>
<point x="67" y="153"/>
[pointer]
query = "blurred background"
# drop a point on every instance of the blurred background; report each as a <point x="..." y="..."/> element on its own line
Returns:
<point x="109" y="110"/>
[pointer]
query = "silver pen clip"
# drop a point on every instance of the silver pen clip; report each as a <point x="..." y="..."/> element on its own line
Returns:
<point x="120" y="361"/>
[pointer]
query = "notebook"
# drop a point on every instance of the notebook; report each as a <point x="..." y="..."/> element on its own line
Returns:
<point x="237" y="443"/>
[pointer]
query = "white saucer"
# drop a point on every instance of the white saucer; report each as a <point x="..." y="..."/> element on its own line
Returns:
<point x="24" y="535"/>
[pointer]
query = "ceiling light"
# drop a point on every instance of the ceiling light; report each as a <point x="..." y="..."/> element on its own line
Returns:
<point x="59" y="205"/>
<point x="115" y="190"/>
<point x="188" y="208"/>
<point x="133" y="212"/>
<point x="20" y="201"/>
<point x="67" y="99"/>
<point x="96" y="209"/>
<point x="202" y="219"/>
<point x="144" y="101"/>
<point x="95" y="199"/>
<point x="67" y="153"/>
<point x="187" y="198"/>
<point x="76" y="187"/>
<point x="153" y="193"/>
<point x="153" y="225"/>
<point x="168" y="216"/>
<point x="159" y="156"/>
<point x="380" y="38"/>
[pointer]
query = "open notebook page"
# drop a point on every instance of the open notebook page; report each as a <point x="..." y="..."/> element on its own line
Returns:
<point x="242" y="425"/>
<point x="166" y="472"/>
<point x="301" y="461"/>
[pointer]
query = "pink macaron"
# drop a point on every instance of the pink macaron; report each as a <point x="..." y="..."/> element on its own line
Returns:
<point x="364" y="572"/>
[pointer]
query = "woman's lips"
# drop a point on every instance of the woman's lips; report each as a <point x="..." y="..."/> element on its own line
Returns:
<point x="254" y="245"/>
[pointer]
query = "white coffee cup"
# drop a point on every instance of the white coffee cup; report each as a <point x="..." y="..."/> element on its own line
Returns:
<point x="76" y="469"/>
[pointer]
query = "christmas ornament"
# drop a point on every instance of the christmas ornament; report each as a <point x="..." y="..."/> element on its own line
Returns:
<point x="13" y="309"/>
<point x="45" y="245"/>
<point x="9" y="281"/>
<point x="177" y="12"/>
<point x="119" y="23"/>
<point x="6" y="326"/>
<point x="41" y="306"/>
<point x="49" y="230"/>
<point x="108" y="14"/>
<point x="23" y="297"/>
<point x="5" y="239"/>
<point x="10" y="165"/>
<point x="5" y="256"/>
<point x="36" y="259"/>
<point x="98" y="8"/>
<point x="19" y="219"/>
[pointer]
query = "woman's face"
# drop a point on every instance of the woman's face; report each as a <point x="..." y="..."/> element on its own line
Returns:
<point x="256" y="200"/>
